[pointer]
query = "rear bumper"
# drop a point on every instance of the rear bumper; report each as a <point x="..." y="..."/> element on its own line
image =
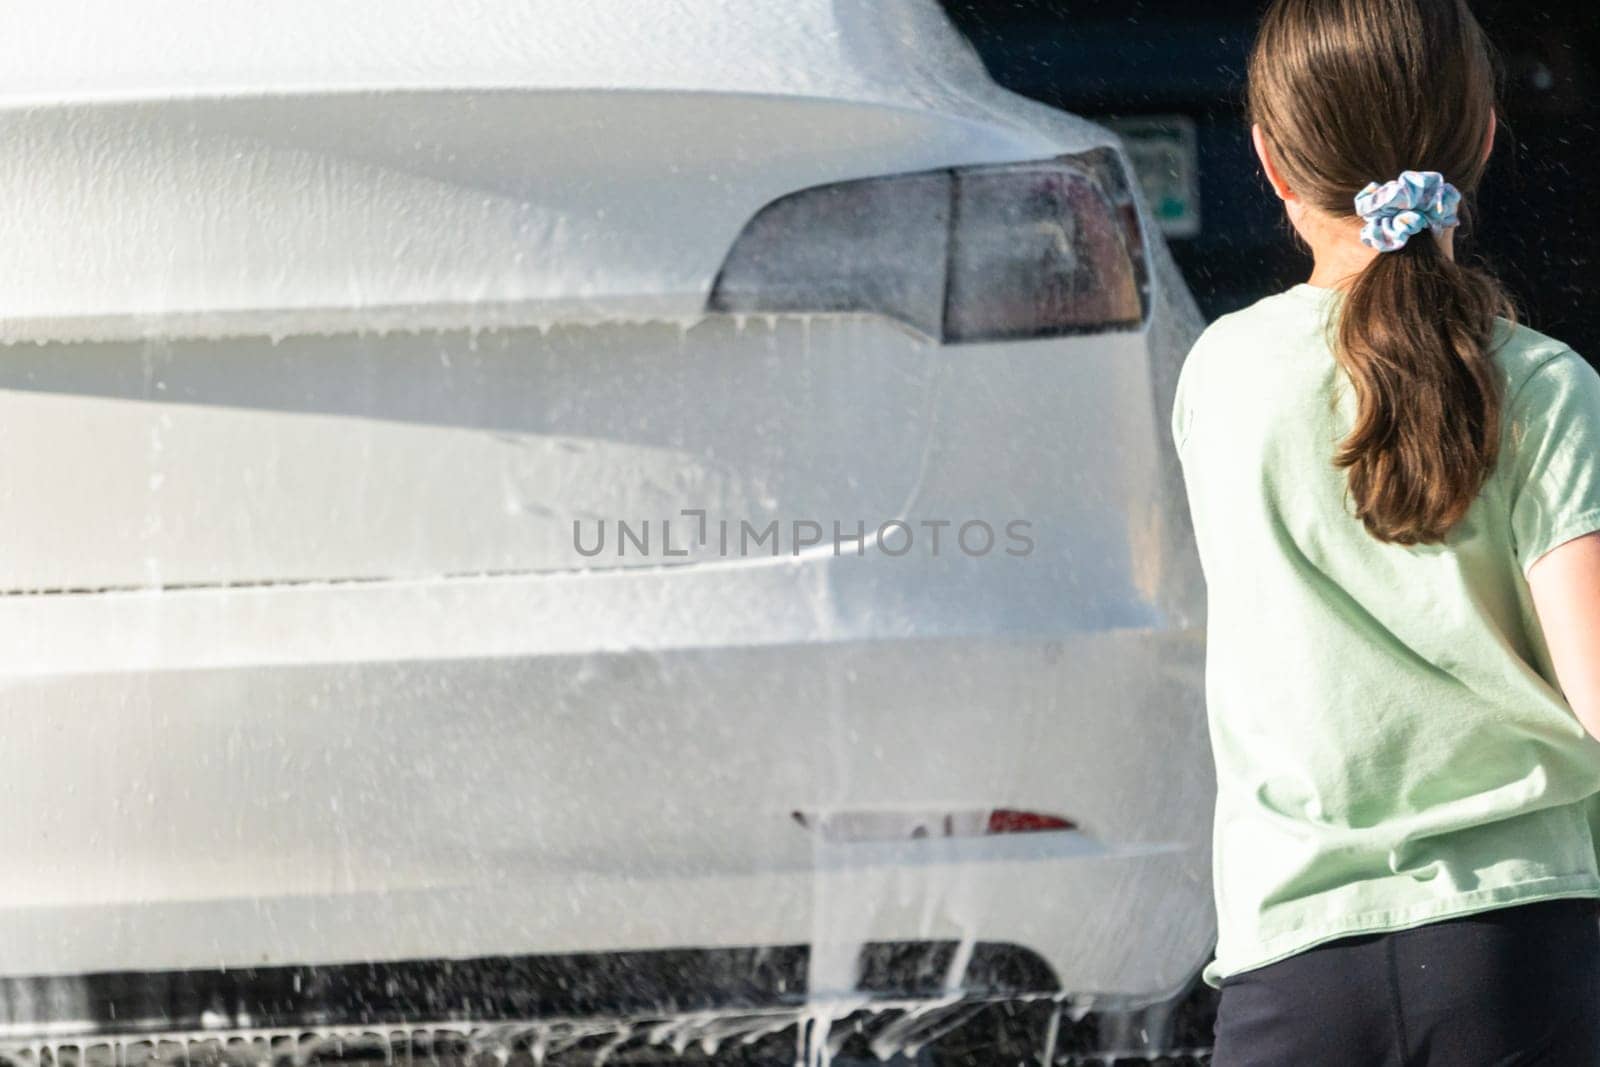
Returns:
<point x="323" y="774"/>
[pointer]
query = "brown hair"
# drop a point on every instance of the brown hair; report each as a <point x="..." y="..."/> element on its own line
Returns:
<point x="1353" y="91"/>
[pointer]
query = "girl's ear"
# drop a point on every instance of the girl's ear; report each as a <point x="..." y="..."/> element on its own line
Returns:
<point x="1488" y="140"/>
<point x="1263" y="153"/>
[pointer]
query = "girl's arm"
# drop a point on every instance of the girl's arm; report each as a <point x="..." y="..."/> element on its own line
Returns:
<point x="1566" y="594"/>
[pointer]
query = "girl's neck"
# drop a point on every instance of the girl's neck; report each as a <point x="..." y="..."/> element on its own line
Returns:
<point x="1337" y="253"/>
<point x="1336" y="264"/>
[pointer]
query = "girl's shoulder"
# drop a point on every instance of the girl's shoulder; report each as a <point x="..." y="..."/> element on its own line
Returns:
<point x="1303" y="305"/>
<point x="1274" y="350"/>
<point x="1245" y="343"/>
<point x="1299" y="314"/>
<point x="1524" y="355"/>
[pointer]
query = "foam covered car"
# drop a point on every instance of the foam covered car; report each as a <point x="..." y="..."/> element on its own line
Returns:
<point x="573" y="509"/>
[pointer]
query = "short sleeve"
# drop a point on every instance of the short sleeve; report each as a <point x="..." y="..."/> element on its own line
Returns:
<point x="1554" y="461"/>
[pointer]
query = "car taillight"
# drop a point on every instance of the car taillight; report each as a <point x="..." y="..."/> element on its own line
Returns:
<point x="1002" y="252"/>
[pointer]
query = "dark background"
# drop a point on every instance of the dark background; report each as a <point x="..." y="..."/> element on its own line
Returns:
<point x="1535" y="216"/>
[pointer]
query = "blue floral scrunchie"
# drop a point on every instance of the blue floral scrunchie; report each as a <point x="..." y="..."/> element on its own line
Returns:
<point x="1416" y="201"/>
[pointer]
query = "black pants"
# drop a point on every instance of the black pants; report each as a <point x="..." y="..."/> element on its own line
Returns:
<point x="1518" y="985"/>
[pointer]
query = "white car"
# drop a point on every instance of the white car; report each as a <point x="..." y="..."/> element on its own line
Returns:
<point x="425" y="427"/>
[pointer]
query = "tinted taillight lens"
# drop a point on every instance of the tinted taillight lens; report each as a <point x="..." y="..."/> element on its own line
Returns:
<point x="987" y="253"/>
<point x="877" y="245"/>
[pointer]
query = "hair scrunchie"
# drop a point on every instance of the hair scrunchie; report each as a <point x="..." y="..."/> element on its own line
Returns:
<point x="1413" y="202"/>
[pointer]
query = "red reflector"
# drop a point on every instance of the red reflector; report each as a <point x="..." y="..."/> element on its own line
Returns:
<point x="1006" y="821"/>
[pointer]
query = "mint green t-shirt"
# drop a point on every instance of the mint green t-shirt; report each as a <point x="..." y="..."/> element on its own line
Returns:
<point x="1390" y="741"/>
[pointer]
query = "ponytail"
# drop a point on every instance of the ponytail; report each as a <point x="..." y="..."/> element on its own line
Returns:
<point x="1415" y="336"/>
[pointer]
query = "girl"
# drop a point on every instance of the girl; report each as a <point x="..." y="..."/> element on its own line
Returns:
<point x="1395" y="494"/>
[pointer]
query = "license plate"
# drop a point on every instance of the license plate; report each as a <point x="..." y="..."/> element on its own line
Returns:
<point x="1165" y="159"/>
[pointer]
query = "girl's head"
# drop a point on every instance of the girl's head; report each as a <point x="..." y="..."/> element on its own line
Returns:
<point x="1344" y="93"/>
